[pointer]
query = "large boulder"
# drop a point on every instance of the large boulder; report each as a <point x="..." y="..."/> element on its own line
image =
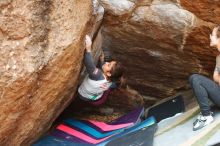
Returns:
<point x="161" y="42"/>
<point x="41" y="49"/>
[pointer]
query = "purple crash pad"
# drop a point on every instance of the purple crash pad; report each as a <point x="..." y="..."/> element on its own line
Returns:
<point x="60" y="134"/>
<point x="131" y="118"/>
<point x="76" y="136"/>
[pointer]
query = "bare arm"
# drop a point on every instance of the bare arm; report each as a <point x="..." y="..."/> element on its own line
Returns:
<point x="216" y="77"/>
<point x="94" y="73"/>
<point x="216" y="74"/>
<point x="88" y="60"/>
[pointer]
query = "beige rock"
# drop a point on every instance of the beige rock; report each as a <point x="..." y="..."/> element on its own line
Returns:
<point x="142" y="2"/>
<point x="41" y="49"/>
<point x="116" y="7"/>
<point x="164" y="22"/>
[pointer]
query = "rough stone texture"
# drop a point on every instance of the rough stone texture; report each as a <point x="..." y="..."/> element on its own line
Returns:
<point x="162" y="42"/>
<point x="41" y="49"/>
<point x="116" y="7"/>
<point x="204" y="9"/>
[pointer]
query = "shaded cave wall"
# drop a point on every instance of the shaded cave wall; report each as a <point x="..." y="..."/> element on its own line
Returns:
<point x="161" y="42"/>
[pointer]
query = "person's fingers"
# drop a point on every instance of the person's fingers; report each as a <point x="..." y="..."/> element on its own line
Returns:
<point x="87" y="37"/>
<point x="88" y="40"/>
<point x="214" y="31"/>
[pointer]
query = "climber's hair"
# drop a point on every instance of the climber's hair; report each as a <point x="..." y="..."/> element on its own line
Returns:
<point x="116" y="72"/>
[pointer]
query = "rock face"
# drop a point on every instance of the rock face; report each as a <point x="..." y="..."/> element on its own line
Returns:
<point x="41" y="49"/>
<point x="204" y="9"/>
<point x="161" y="42"/>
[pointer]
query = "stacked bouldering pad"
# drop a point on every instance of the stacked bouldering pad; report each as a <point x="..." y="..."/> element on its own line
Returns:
<point x="135" y="128"/>
<point x="74" y="132"/>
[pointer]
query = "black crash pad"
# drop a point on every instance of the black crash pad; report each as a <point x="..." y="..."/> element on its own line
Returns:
<point x="167" y="109"/>
<point x="142" y="137"/>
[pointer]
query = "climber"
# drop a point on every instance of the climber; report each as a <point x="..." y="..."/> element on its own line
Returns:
<point x="205" y="88"/>
<point x="100" y="81"/>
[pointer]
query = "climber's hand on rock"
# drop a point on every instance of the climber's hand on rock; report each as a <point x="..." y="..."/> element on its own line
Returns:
<point x="215" y="30"/>
<point x="88" y="43"/>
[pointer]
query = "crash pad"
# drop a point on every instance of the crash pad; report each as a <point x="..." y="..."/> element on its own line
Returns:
<point x="65" y="133"/>
<point x="54" y="141"/>
<point x="126" y="120"/>
<point x="142" y="137"/>
<point x="85" y="137"/>
<point x="167" y="109"/>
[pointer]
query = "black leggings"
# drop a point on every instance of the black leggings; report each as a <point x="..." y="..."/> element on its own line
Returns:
<point x="203" y="89"/>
